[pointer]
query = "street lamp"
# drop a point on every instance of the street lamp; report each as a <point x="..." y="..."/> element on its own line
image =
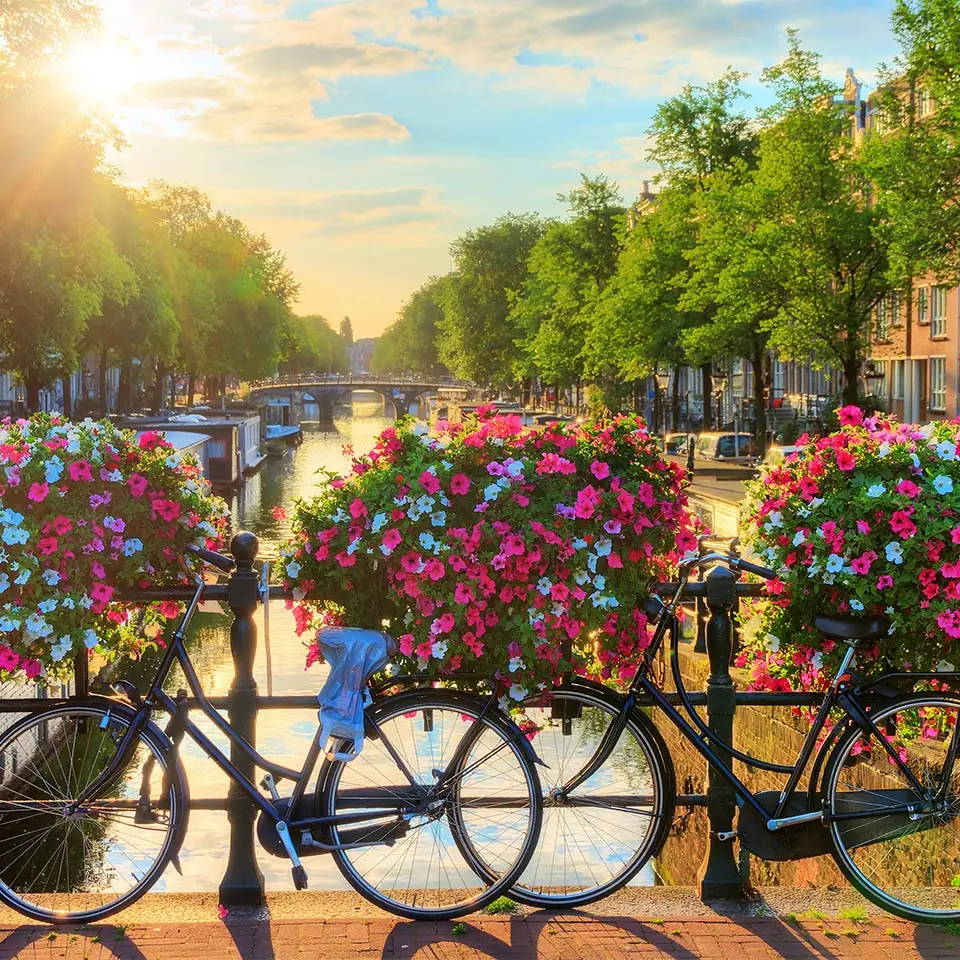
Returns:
<point x="872" y="377"/>
<point x="663" y="384"/>
<point x="720" y="386"/>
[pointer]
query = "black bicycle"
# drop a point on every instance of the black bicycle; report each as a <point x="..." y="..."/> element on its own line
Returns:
<point x="883" y="792"/>
<point x="94" y="799"/>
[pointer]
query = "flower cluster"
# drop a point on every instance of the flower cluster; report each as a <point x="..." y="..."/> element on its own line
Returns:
<point x="487" y="547"/>
<point x="863" y="521"/>
<point x="85" y="509"/>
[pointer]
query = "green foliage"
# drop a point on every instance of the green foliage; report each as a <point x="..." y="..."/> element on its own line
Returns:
<point x="346" y="331"/>
<point x="501" y="905"/>
<point x="410" y="342"/>
<point x="309" y="345"/>
<point x="477" y="332"/>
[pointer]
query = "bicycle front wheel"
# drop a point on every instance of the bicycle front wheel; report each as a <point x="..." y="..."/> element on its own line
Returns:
<point x="897" y="837"/>
<point x="61" y="862"/>
<point x="443" y="773"/>
<point x="599" y="835"/>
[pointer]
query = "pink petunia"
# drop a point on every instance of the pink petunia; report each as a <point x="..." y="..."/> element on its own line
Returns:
<point x="846" y="461"/>
<point x="429" y="482"/>
<point x="908" y="488"/>
<point x="391" y="540"/>
<point x="600" y="469"/>
<point x="346" y="559"/>
<point x="138" y="484"/>
<point x="80" y="472"/>
<point x="170" y="609"/>
<point x="47" y="545"/>
<point x="101" y="593"/>
<point x="406" y="644"/>
<point x="38" y="492"/>
<point x="884" y="582"/>
<point x="459" y="484"/>
<point x="850" y="416"/>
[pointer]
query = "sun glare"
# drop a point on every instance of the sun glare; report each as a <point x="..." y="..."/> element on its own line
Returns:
<point x="101" y="74"/>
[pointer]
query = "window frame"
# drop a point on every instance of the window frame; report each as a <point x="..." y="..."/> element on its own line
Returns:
<point x="942" y="392"/>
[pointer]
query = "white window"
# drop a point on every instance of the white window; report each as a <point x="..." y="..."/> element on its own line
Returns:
<point x="896" y="381"/>
<point x="938" y="383"/>
<point x="938" y="311"/>
<point x="924" y="102"/>
<point x="923" y="305"/>
<point x="883" y="320"/>
<point x="895" y="308"/>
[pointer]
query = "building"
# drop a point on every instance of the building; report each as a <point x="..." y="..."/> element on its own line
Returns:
<point x="360" y="353"/>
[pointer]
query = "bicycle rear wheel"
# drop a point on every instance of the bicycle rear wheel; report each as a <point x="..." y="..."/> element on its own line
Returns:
<point x="410" y="861"/>
<point x="906" y="861"/>
<point x="60" y="864"/>
<point x="599" y="836"/>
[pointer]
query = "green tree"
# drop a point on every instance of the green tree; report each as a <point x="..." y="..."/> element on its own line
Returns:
<point x="310" y="345"/>
<point x="477" y="335"/>
<point x="410" y="342"/>
<point x="568" y="269"/>
<point x="812" y="222"/>
<point x="346" y="331"/>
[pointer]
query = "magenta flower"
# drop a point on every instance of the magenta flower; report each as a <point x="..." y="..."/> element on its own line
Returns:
<point x="392" y="539"/>
<point x="850" y="416"/>
<point x="137" y="484"/>
<point x="846" y="460"/>
<point x="429" y="482"/>
<point x="38" y="493"/>
<point x="80" y="472"/>
<point x="47" y="546"/>
<point x="600" y="469"/>
<point x="459" y="484"/>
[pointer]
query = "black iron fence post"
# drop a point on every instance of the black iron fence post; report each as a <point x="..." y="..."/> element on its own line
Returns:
<point x="700" y="640"/>
<point x="242" y="883"/>
<point x="719" y="876"/>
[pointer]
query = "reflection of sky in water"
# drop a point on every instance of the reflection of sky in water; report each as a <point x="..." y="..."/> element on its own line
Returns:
<point x="282" y="735"/>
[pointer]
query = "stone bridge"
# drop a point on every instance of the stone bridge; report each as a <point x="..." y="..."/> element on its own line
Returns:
<point x="327" y="389"/>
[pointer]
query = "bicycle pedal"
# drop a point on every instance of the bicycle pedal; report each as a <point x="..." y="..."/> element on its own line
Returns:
<point x="299" y="877"/>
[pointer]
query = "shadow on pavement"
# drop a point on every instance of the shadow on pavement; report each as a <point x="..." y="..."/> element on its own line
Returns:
<point x="109" y="939"/>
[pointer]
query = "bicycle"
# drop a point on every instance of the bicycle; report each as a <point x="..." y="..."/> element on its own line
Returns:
<point x="94" y="799"/>
<point x="610" y="798"/>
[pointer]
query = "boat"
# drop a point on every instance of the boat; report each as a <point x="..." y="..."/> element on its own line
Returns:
<point x="290" y="433"/>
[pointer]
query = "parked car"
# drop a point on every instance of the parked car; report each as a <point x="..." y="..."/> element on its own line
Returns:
<point x="676" y="443"/>
<point x="777" y="453"/>
<point x="727" y="447"/>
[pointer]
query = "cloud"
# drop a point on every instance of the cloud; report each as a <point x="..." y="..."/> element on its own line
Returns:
<point x="409" y="214"/>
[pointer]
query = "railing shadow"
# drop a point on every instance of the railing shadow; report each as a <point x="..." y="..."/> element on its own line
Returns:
<point x="103" y="940"/>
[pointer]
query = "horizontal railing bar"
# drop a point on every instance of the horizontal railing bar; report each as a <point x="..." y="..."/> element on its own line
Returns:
<point x="309" y="701"/>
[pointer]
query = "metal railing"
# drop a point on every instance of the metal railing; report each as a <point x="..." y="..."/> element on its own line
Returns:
<point x="243" y="882"/>
<point x="359" y="380"/>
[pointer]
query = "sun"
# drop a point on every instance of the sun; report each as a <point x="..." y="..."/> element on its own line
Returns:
<point x="100" y="75"/>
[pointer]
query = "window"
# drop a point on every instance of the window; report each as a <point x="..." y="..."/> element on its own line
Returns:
<point x="938" y="383"/>
<point x="895" y="308"/>
<point x="923" y="305"/>
<point x="217" y="449"/>
<point x="896" y="381"/>
<point x="924" y="103"/>
<point x="883" y="320"/>
<point x="938" y="311"/>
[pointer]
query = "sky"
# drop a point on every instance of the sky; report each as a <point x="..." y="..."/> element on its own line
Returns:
<point x="363" y="136"/>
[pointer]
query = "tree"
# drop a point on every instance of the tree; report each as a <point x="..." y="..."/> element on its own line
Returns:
<point x="700" y="132"/>
<point x="310" y="345"/>
<point x="568" y="269"/>
<point x="478" y="337"/>
<point x="811" y="223"/>
<point x="346" y="331"/>
<point x="410" y="342"/>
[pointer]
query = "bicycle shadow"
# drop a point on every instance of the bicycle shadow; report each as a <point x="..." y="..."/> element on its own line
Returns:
<point x="104" y="940"/>
<point x="784" y="938"/>
<point x="252" y="938"/>
<point x="521" y="935"/>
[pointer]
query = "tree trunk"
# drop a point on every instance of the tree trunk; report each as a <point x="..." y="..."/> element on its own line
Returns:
<point x="66" y="385"/>
<point x="759" y="400"/>
<point x="33" y="381"/>
<point x="851" y="373"/>
<point x="173" y="391"/>
<point x="706" y="373"/>
<point x="160" y="376"/>
<point x="124" y="389"/>
<point x="102" y="382"/>
<point x="657" y="411"/>
<point x="223" y="391"/>
<point x="191" y="388"/>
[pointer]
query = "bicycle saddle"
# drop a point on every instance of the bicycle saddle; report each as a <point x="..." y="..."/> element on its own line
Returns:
<point x="852" y="628"/>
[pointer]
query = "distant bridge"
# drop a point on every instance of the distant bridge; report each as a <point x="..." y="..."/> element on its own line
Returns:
<point x="326" y="389"/>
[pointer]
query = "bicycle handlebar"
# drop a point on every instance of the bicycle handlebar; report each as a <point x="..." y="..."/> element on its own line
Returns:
<point x="735" y="563"/>
<point x="218" y="560"/>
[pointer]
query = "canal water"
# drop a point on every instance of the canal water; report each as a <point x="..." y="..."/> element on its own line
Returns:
<point x="282" y="735"/>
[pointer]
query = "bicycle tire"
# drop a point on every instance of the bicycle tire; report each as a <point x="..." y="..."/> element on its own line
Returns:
<point x="570" y="867"/>
<point x="91" y="723"/>
<point x="916" y="842"/>
<point x="512" y="836"/>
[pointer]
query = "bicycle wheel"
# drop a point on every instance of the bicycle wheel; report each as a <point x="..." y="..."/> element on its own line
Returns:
<point x="600" y="836"/>
<point x="906" y="861"/>
<point x="64" y="865"/>
<point x="410" y="862"/>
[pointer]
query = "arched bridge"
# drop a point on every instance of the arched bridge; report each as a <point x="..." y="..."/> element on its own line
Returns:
<point x="327" y="389"/>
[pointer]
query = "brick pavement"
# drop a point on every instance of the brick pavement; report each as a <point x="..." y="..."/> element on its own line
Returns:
<point x="545" y="936"/>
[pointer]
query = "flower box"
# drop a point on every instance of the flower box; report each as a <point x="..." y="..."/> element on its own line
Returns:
<point x="86" y="509"/>
<point x="863" y="521"/>
<point x="488" y="547"/>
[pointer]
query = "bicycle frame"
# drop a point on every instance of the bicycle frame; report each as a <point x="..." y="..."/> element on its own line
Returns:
<point x="180" y="724"/>
<point x="700" y="736"/>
